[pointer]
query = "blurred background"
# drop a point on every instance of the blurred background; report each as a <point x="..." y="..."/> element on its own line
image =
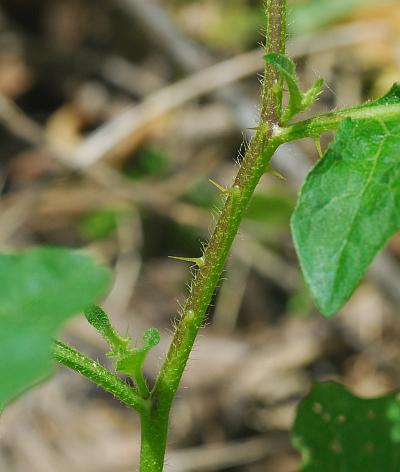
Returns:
<point x="114" y="114"/>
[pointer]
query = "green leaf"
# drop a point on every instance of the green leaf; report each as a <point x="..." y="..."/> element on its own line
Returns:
<point x="337" y="431"/>
<point x="151" y="338"/>
<point x="287" y="68"/>
<point x="312" y="94"/>
<point x="391" y="98"/>
<point x="133" y="362"/>
<point x="39" y="290"/>
<point x="349" y="207"/>
<point x="368" y="109"/>
<point x="99" y="319"/>
<point x="298" y="101"/>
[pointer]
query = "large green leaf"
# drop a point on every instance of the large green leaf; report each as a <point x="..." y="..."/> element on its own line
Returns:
<point x="39" y="289"/>
<point x="337" y="431"/>
<point x="349" y="206"/>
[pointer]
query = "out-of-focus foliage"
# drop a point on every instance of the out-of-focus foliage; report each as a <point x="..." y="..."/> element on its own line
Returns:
<point x="335" y="430"/>
<point x="149" y="162"/>
<point x="309" y="15"/>
<point x="39" y="290"/>
<point x="273" y="208"/>
<point x="222" y="18"/>
<point x="201" y="193"/>
<point x="214" y="21"/>
<point x="99" y="224"/>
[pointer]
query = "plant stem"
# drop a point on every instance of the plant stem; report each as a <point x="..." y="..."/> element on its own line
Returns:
<point x="154" y="432"/>
<point x="314" y="127"/>
<point x="271" y="101"/>
<point x="141" y="383"/>
<point x="259" y="153"/>
<point x="98" y="374"/>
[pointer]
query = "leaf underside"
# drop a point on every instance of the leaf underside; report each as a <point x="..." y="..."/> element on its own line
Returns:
<point x="337" y="431"/>
<point x="349" y="207"/>
<point x="39" y="290"/>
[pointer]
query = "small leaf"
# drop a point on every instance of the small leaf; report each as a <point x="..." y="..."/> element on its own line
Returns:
<point x="298" y="101"/>
<point x="39" y="290"/>
<point x="132" y="363"/>
<point x="312" y="94"/>
<point x="99" y="319"/>
<point x="151" y="338"/>
<point x="348" y="207"/>
<point x="335" y="430"/>
<point x="287" y="69"/>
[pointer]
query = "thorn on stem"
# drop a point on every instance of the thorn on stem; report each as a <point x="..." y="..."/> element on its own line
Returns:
<point x="317" y="142"/>
<point x="232" y="191"/>
<point x="199" y="261"/>
<point x="220" y="187"/>
<point x="275" y="172"/>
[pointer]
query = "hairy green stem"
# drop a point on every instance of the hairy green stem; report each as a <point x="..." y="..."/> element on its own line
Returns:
<point x="314" y="127"/>
<point x="271" y="100"/>
<point x="99" y="375"/>
<point x="141" y="383"/>
<point x="259" y="153"/>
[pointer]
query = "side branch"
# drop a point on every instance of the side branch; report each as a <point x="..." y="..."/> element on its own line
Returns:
<point x="99" y="375"/>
